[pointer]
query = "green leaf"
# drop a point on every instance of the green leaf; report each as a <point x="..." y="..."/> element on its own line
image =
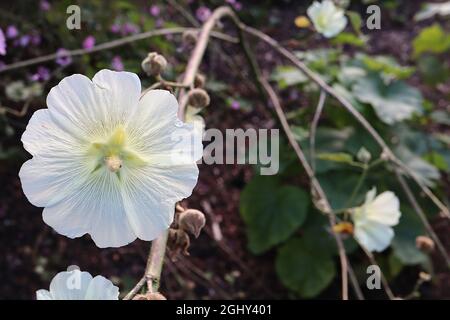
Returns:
<point x="425" y="172"/>
<point x="432" y="39"/>
<point x="272" y="212"/>
<point x="355" y="20"/>
<point x="339" y="185"/>
<point x="436" y="160"/>
<point x="303" y="269"/>
<point x="288" y="76"/>
<point x="386" y="65"/>
<point x="393" y="102"/>
<point x="348" y="38"/>
<point x="433" y="70"/>
<point x="404" y="243"/>
<point x="336" y="157"/>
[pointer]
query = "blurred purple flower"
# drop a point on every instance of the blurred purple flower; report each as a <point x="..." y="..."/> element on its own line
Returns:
<point x="155" y="10"/>
<point x="2" y="43"/>
<point x="237" y="6"/>
<point x="24" y="40"/>
<point x="89" y="42"/>
<point x="129" y="28"/>
<point x="44" y="5"/>
<point x="235" y="105"/>
<point x="11" y="32"/>
<point x="159" y="22"/>
<point x="115" y="28"/>
<point x="42" y="74"/>
<point x="62" y="57"/>
<point x="203" y="13"/>
<point x="117" y="64"/>
<point x="35" y="39"/>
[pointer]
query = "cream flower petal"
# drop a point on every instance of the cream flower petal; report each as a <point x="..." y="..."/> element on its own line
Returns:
<point x="43" y="295"/>
<point x="385" y="208"/>
<point x="84" y="108"/>
<point x="101" y="288"/>
<point x="108" y="162"/>
<point x="328" y="19"/>
<point x="156" y="131"/>
<point x="96" y="208"/>
<point x="70" y="285"/>
<point x="57" y="152"/>
<point x="78" y="285"/>
<point x="156" y="187"/>
<point x="373" y="236"/>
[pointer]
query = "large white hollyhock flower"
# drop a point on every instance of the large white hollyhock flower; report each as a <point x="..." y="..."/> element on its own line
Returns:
<point x="78" y="285"/>
<point x="108" y="161"/>
<point x="373" y="220"/>
<point x="328" y="19"/>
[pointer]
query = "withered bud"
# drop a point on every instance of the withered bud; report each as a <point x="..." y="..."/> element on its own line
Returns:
<point x="192" y="221"/>
<point x="198" y="98"/>
<point x="154" y="64"/>
<point x="424" y="243"/>
<point x="424" y="276"/>
<point x="199" y="80"/>
<point x="179" y="241"/>
<point x="189" y="37"/>
<point x="150" y="296"/>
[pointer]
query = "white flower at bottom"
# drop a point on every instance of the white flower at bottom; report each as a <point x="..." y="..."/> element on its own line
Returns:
<point x="108" y="161"/>
<point x="328" y="19"/>
<point x="79" y="285"/>
<point x="373" y="220"/>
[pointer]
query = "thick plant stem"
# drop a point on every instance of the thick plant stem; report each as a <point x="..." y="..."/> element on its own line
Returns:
<point x="155" y="262"/>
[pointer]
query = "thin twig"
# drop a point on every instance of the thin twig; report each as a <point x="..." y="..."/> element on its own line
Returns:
<point x="422" y="216"/>
<point x="316" y="186"/>
<point x="372" y="260"/>
<point x="186" y="14"/>
<point x="314" y="124"/>
<point x="135" y="289"/>
<point x="112" y="44"/>
<point x="350" y="108"/>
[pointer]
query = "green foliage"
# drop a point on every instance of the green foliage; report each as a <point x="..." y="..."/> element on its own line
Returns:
<point x="271" y="211"/>
<point x="393" y="102"/>
<point x="303" y="268"/>
<point x="287" y="76"/>
<point x="432" y="39"/>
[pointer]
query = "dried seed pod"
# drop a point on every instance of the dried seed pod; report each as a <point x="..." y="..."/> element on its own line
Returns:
<point x="189" y="37"/>
<point x="154" y="64"/>
<point x="198" y="98"/>
<point x="424" y="243"/>
<point x="192" y="221"/>
<point x="199" y="81"/>
<point x="150" y="296"/>
<point x="179" y="241"/>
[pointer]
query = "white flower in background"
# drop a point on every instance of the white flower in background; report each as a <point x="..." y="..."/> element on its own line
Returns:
<point x="328" y="19"/>
<point x="373" y="220"/>
<point x="108" y="161"/>
<point x="78" y="285"/>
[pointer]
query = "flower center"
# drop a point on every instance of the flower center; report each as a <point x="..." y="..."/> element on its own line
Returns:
<point x="114" y="153"/>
